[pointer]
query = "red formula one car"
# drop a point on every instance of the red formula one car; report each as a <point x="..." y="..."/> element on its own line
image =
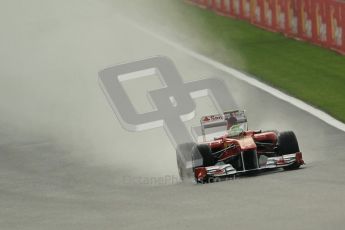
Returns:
<point x="237" y="150"/>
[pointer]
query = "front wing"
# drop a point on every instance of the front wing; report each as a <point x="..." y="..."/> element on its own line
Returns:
<point x="227" y="170"/>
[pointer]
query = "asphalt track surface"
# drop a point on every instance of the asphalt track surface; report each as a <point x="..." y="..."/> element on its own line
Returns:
<point x="66" y="163"/>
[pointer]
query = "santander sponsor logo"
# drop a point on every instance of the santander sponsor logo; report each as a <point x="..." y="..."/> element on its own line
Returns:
<point x="213" y="118"/>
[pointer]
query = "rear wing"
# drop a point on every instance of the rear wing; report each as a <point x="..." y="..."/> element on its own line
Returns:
<point x="227" y="119"/>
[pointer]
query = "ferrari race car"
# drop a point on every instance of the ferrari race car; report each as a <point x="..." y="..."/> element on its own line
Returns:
<point x="229" y="149"/>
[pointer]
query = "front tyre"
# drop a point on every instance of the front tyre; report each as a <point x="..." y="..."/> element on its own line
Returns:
<point x="288" y="144"/>
<point x="204" y="151"/>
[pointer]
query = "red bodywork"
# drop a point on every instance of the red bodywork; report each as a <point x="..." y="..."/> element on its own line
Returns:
<point x="246" y="141"/>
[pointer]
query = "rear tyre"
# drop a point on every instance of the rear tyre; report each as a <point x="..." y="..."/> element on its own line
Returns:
<point x="288" y="144"/>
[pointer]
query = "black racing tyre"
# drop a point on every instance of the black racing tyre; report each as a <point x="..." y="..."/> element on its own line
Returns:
<point x="288" y="144"/>
<point x="205" y="151"/>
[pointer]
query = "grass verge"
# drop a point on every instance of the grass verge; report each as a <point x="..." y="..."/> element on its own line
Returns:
<point x="308" y="72"/>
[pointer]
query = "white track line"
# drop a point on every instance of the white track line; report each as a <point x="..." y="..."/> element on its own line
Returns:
<point x="252" y="81"/>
